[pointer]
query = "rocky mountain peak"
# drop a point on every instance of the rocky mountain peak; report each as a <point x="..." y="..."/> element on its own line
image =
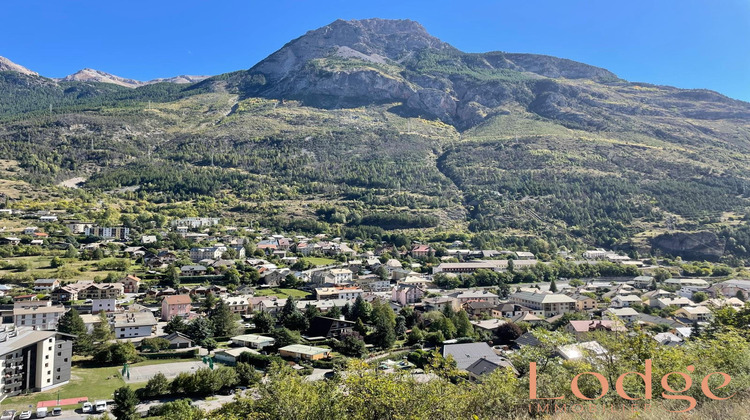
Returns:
<point x="7" y="65"/>
<point x="93" y="75"/>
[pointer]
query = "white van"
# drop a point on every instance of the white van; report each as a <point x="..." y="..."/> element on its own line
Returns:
<point x="41" y="412"/>
<point x="100" y="406"/>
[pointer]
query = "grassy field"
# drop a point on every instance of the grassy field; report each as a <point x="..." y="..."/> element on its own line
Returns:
<point x="39" y="267"/>
<point x="282" y="293"/>
<point x="319" y="261"/>
<point x="95" y="383"/>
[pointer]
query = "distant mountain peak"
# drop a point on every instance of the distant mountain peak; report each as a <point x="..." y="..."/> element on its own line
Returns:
<point x="7" y="65"/>
<point x="93" y="75"/>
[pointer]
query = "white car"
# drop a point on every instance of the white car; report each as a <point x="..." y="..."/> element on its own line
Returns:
<point x="86" y="407"/>
<point x="25" y="415"/>
<point x="100" y="406"/>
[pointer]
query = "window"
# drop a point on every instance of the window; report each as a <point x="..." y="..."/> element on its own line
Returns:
<point x="49" y="380"/>
<point x="65" y="359"/>
<point x="46" y="365"/>
<point x="59" y="353"/>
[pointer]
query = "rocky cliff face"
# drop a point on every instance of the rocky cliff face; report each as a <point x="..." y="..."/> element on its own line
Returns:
<point x="691" y="246"/>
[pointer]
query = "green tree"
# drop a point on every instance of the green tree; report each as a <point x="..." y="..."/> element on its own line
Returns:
<point x="178" y="410"/>
<point x="200" y="329"/>
<point x="125" y="404"/>
<point x="156" y="386"/>
<point x="172" y="276"/>
<point x="176" y="324"/>
<point x="553" y="286"/>
<point x="285" y="337"/>
<point x="232" y="276"/>
<point x="264" y="322"/>
<point x="464" y="328"/>
<point x="102" y="330"/>
<point x="361" y="310"/>
<point x="246" y="374"/>
<point x="72" y="323"/>
<point x="224" y="320"/>
<point x="385" y="325"/>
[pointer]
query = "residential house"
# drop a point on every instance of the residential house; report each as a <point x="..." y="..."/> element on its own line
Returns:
<point x="207" y="253"/>
<point x="484" y="366"/>
<point x="196" y="222"/>
<point x="103" y="305"/>
<point x="132" y="324"/>
<point x="178" y="340"/>
<point x="131" y="284"/>
<point x="41" y="285"/>
<point x="253" y="341"/>
<point x="478" y="309"/>
<point x="373" y="283"/>
<point x="626" y="315"/>
<point x="176" y="305"/>
<point x="466" y="354"/>
<point x="338" y="292"/>
<point x="545" y="304"/>
<point x="524" y="255"/>
<point x="510" y="310"/>
<point x="583" y="329"/>
<point x="238" y="304"/>
<point x="302" y="352"/>
<point x="406" y="294"/>
<point x="662" y="303"/>
<point x="102" y="291"/>
<point x="584" y="302"/>
<point x="489" y="325"/>
<point x="421" y="251"/>
<point x="106" y="232"/>
<point x="341" y="275"/>
<point x="467" y="296"/>
<point x="695" y="313"/>
<point x="192" y="270"/>
<point x="323" y="326"/>
<point x="625" y="301"/>
<point x="229" y="356"/>
<point x="643" y="282"/>
<point x="39" y="317"/>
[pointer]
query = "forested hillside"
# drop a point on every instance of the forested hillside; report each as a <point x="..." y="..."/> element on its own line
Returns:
<point x="366" y="127"/>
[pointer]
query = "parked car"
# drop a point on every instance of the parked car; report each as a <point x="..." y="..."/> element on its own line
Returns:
<point x="100" y="406"/>
<point x="8" y="415"/>
<point x="86" y="407"/>
<point x="57" y="411"/>
<point x="25" y="415"/>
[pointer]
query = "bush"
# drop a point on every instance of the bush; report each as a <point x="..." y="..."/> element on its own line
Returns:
<point x="154" y="344"/>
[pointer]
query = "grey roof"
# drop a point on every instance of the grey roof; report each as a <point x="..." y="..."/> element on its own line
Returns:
<point x="465" y="354"/>
<point x="23" y="337"/>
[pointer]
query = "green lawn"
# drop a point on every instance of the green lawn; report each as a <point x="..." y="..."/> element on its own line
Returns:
<point x="282" y="293"/>
<point x="94" y="383"/>
<point x="319" y="261"/>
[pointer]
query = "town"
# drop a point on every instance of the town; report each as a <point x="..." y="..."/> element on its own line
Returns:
<point x="99" y="316"/>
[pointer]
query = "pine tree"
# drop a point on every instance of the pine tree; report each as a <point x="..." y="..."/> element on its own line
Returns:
<point x="125" y="404"/>
<point x="102" y="330"/>
<point x="176" y="324"/>
<point x="224" y="320"/>
<point x="72" y="323"/>
<point x="552" y="286"/>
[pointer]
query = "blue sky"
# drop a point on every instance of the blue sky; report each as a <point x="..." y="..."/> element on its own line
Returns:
<point x="684" y="43"/>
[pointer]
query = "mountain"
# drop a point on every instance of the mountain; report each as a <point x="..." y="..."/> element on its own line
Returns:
<point x="91" y="75"/>
<point x="363" y="127"/>
<point x="7" y="65"/>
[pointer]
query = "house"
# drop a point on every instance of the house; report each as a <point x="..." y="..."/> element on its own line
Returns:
<point x="30" y="230"/>
<point x="271" y="305"/>
<point x="466" y="354"/>
<point x="64" y="294"/>
<point x="484" y="366"/>
<point x="695" y="313"/>
<point x="195" y="222"/>
<point x="207" y="253"/>
<point x="373" y="283"/>
<point x="302" y="352"/>
<point x="338" y="292"/>
<point x="323" y="326"/>
<point x="524" y="255"/>
<point x="643" y="282"/>
<point x="175" y="305"/>
<point x="489" y="325"/>
<point x="528" y="318"/>
<point x="102" y="291"/>
<point x="103" y="305"/>
<point x="421" y="251"/>
<point x="322" y="305"/>
<point x="478" y="309"/>
<point x="625" y="301"/>
<point x="253" y="341"/>
<point x="192" y="270"/>
<point x="582" y="329"/>
<point x="509" y="310"/>
<point x="179" y="340"/>
<point x="465" y="297"/>
<point x="545" y="304"/>
<point x="131" y="284"/>
<point x="39" y="317"/>
<point x="584" y="303"/>
<point x="597" y="254"/>
<point x="10" y="240"/>
<point x="406" y="294"/>
<point x="731" y="288"/>
<point x="23" y="350"/>
<point x="238" y="304"/>
<point x="662" y="303"/>
<point x="132" y="324"/>
<point x="626" y="315"/>
<point x="41" y="285"/>
<point x="229" y="356"/>
<point x="148" y="239"/>
<point x="341" y="275"/>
